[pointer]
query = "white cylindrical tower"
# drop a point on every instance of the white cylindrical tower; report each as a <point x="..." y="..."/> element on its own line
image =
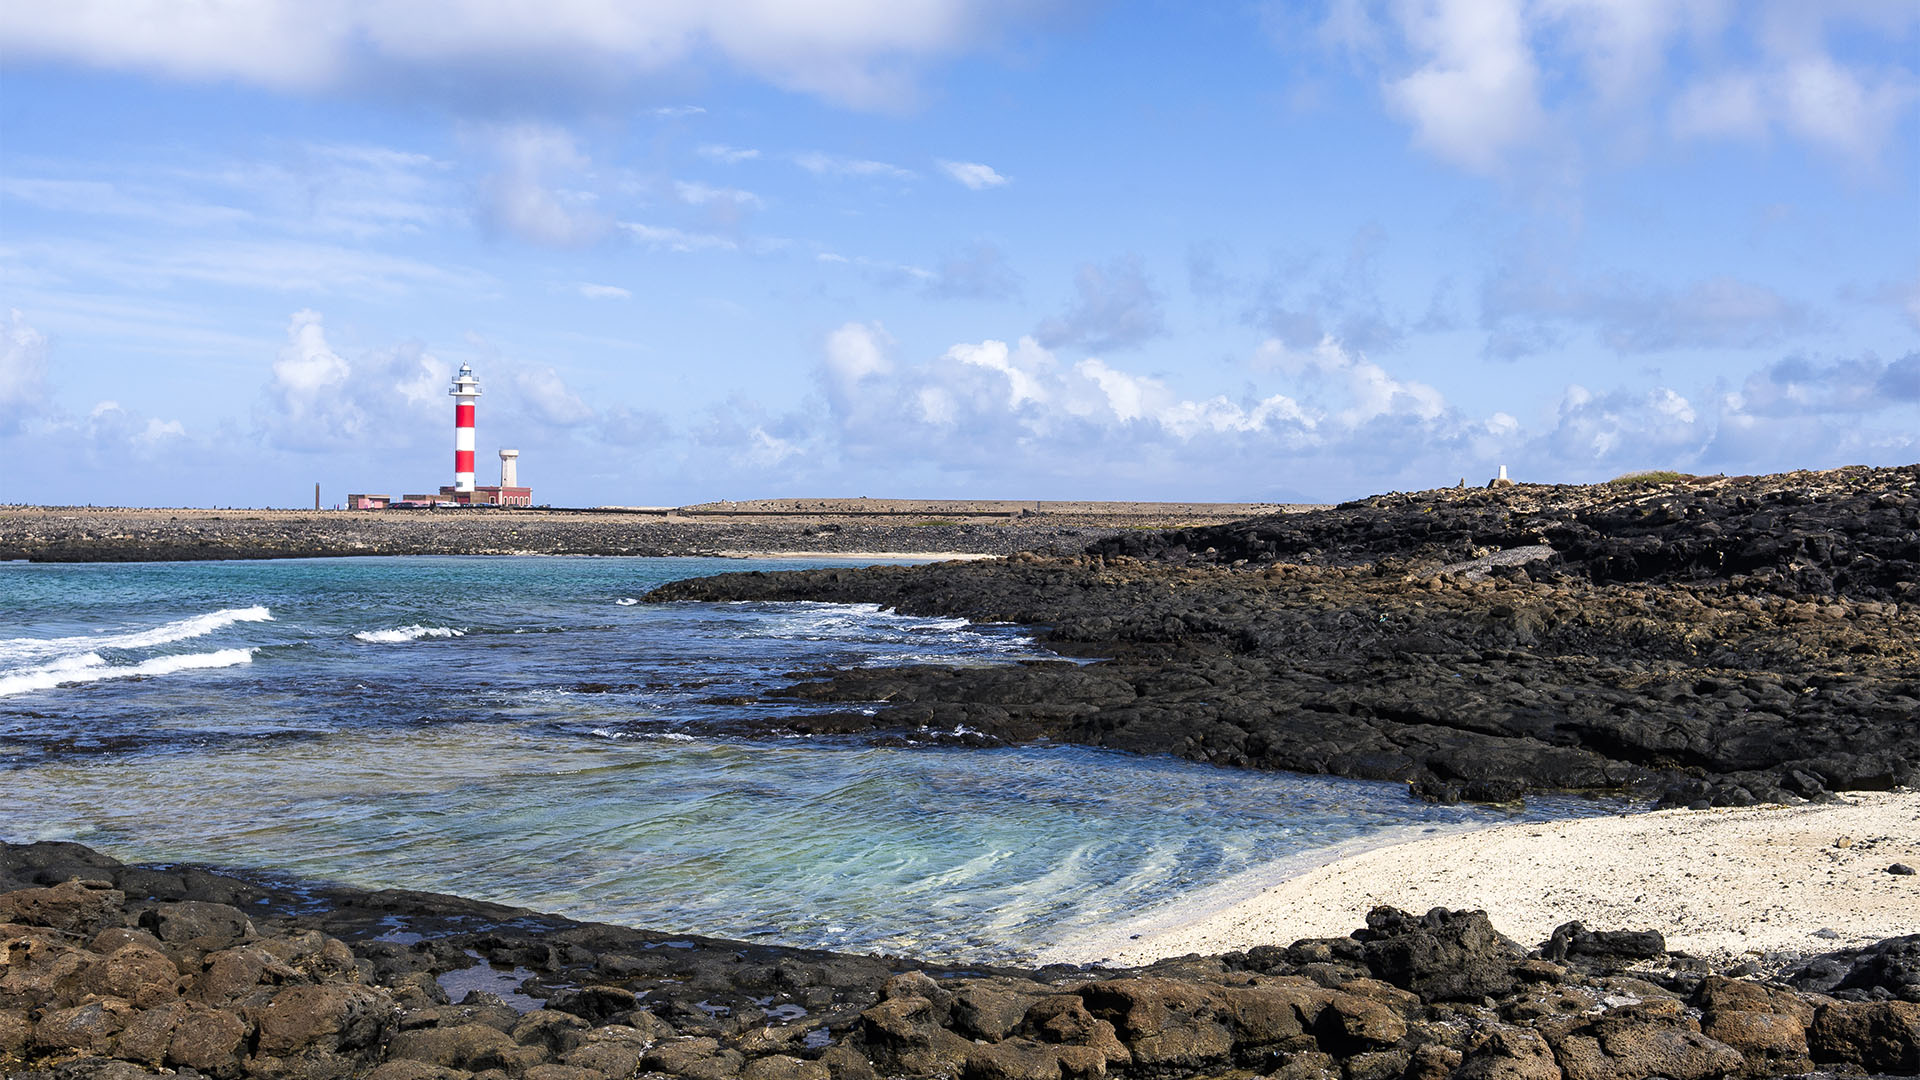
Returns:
<point x="466" y="388"/>
<point x="509" y="472"/>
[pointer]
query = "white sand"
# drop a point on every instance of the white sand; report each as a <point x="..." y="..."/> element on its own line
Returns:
<point x="1717" y="883"/>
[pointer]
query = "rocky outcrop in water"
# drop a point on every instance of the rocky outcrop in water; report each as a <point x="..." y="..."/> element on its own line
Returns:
<point x="1721" y="643"/>
<point x="112" y="971"/>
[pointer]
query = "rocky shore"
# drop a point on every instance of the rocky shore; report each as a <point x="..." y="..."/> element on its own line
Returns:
<point x="110" y="971"/>
<point x="1707" y="641"/>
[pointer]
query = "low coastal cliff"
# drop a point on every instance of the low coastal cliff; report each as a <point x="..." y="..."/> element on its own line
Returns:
<point x="113" y="971"/>
<point x="1721" y="641"/>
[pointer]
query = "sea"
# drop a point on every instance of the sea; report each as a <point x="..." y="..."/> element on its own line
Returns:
<point x="526" y="730"/>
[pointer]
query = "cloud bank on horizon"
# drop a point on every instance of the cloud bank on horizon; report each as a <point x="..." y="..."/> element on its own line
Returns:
<point x="1291" y="251"/>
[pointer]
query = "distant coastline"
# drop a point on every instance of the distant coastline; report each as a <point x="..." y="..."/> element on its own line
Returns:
<point x="813" y="527"/>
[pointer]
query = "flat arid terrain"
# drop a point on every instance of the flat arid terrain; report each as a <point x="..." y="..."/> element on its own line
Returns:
<point x="762" y="527"/>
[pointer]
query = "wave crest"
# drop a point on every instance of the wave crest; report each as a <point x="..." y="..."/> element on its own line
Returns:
<point x="90" y="668"/>
<point x="17" y="650"/>
<point x="407" y="633"/>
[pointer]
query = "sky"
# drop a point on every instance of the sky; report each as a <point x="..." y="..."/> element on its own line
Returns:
<point x="733" y="249"/>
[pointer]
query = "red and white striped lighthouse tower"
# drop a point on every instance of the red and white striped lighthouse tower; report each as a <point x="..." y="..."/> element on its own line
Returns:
<point x="465" y="389"/>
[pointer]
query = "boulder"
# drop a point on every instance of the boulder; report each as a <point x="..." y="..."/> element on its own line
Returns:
<point x="326" y="1018"/>
<point x="1355" y="1024"/>
<point x="1063" y="1018"/>
<point x="989" y="1012"/>
<point x="1878" y="1036"/>
<point x="596" y="1003"/>
<point x="91" y="1028"/>
<point x="615" y="1050"/>
<point x="696" y="1058"/>
<point x="1442" y="955"/>
<point x="226" y="976"/>
<point x="416" y="1070"/>
<point x="138" y="973"/>
<point x="1767" y="1025"/>
<point x="1166" y="1024"/>
<point x="1509" y="1053"/>
<point x="197" y="924"/>
<point x="554" y="1032"/>
<point x="1637" y="1041"/>
<point x="16" y="1033"/>
<point x="472" y="1047"/>
<point x="1573" y="941"/>
<point x="784" y="1067"/>
<point x="40" y="973"/>
<point x="1022" y="1058"/>
<point x="81" y="908"/>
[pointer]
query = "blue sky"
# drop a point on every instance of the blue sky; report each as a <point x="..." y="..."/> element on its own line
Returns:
<point x="751" y="248"/>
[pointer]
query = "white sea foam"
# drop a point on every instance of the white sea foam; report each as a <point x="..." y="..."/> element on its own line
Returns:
<point x="27" y="650"/>
<point x="626" y="601"/>
<point x="408" y="633"/>
<point x="90" y="668"/>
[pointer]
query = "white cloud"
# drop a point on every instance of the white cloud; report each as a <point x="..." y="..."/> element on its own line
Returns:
<point x="1484" y="81"/>
<point x="1475" y="94"/>
<point x="1115" y="306"/>
<point x="603" y="292"/>
<point x="979" y="273"/>
<point x="972" y="174"/>
<point x="677" y="112"/>
<point x="1519" y="305"/>
<point x="1725" y="106"/>
<point x="880" y="271"/>
<point x="765" y="448"/>
<point x="307" y="367"/>
<point x="23" y="372"/>
<point x="1826" y="103"/>
<point x="527" y="195"/>
<point x="544" y="395"/>
<point x="725" y="205"/>
<point x="1368" y="391"/>
<point x="989" y="387"/>
<point x="820" y="163"/>
<point x="1024" y="368"/>
<point x="858" y="350"/>
<point x="858" y="52"/>
<point x="319" y="399"/>
<point x="731" y="155"/>
<point x="1846" y="110"/>
<point x="667" y="238"/>
<point x="109" y="427"/>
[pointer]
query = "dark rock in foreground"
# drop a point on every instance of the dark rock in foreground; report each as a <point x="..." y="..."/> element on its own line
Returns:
<point x="1724" y="643"/>
<point x="110" y="971"/>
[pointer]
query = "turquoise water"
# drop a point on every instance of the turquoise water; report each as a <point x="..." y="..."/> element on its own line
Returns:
<point x="523" y="730"/>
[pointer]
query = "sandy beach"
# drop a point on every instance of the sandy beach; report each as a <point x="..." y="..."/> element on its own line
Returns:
<point x="1718" y="883"/>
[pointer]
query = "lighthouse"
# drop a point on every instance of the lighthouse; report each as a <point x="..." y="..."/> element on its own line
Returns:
<point x="466" y="388"/>
<point x="462" y="492"/>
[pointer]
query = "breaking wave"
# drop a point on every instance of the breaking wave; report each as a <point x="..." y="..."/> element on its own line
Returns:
<point x="407" y="633"/>
<point x="27" y="650"/>
<point x="90" y="668"/>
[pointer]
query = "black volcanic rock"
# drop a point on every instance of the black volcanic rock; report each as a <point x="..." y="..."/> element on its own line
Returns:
<point x="1399" y="653"/>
